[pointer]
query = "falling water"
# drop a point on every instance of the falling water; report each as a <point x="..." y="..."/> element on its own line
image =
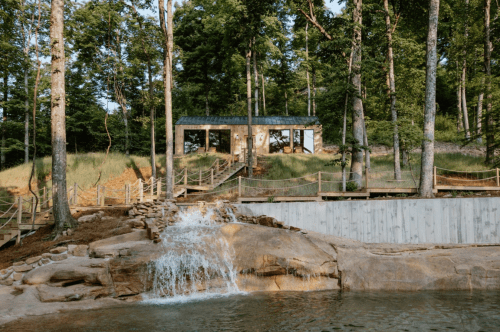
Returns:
<point x="197" y="262"/>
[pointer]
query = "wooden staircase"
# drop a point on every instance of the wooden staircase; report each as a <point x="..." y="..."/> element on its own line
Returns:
<point x="221" y="177"/>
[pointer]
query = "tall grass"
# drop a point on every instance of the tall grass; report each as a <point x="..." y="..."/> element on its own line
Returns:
<point x="283" y="166"/>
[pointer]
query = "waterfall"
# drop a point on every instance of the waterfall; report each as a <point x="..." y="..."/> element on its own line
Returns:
<point x="197" y="260"/>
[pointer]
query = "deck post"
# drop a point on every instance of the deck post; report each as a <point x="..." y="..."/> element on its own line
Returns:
<point x="75" y="194"/>
<point x="158" y="187"/>
<point x="498" y="177"/>
<point x="435" y="176"/>
<point x="103" y="195"/>
<point x="230" y="161"/>
<point x="19" y="218"/>
<point x="141" y="191"/>
<point x="199" y="181"/>
<point x="367" y="174"/>
<point x="212" y="176"/>
<point x="239" y="186"/>
<point x="98" y="194"/>
<point x="152" y="187"/>
<point x="19" y="210"/>
<point x="319" y="182"/>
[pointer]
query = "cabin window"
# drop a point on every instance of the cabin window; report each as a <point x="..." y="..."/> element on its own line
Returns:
<point x="303" y="141"/>
<point x="194" y="140"/>
<point x="278" y="140"/>
<point x="220" y="140"/>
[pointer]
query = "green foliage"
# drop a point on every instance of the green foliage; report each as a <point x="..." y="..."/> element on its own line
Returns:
<point x="351" y="186"/>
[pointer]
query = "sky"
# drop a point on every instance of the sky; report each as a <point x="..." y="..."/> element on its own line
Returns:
<point x="334" y="6"/>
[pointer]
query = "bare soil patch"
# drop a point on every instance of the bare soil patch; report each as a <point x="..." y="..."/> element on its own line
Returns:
<point x="41" y="241"/>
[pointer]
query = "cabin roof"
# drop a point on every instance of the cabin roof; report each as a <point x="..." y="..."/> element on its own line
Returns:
<point x="243" y="120"/>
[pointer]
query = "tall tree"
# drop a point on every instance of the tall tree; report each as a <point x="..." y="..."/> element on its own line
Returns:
<point x="307" y="72"/>
<point x="392" y="88"/>
<point x="249" y="109"/>
<point x="357" y="101"/>
<point x="426" y="172"/>
<point x="61" y="212"/>
<point x="490" y="133"/>
<point x="256" y="83"/>
<point x="168" y="37"/>
<point x="464" y="73"/>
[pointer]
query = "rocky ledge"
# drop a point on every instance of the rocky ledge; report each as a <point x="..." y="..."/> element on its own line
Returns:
<point x="268" y="256"/>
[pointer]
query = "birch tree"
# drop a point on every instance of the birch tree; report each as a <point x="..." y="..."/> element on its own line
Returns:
<point x="392" y="87"/>
<point x="490" y="134"/>
<point x="357" y="101"/>
<point x="61" y="212"/>
<point x="167" y="82"/>
<point x="426" y="172"/>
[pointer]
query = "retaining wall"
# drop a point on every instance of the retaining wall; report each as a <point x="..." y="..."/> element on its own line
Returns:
<point x="453" y="220"/>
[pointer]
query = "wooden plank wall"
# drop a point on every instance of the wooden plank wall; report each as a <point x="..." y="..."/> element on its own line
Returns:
<point x="453" y="220"/>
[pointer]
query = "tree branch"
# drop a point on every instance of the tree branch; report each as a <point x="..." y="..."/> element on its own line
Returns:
<point x="316" y="24"/>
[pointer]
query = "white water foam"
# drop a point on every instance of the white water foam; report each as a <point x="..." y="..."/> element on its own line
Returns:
<point x="197" y="263"/>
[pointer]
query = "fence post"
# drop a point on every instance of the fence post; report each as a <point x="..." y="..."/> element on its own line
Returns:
<point x="19" y="210"/>
<point x="319" y="182"/>
<point x="435" y="176"/>
<point x="141" y="191"/>
<point x="152" y="180"/>
<point x="498" y="177"/>
<point x="239" y="186"/>
<point x="200" y="178"/>
<point x="98" y="194"/>
<point x="185" y="182"/>
<point x="75" y="194"/>
<point x="158" y="187"/>
<point x="230" y="161"/>
<point x="103" y="195"/>
<point x="212" y="176"/>
<point x="367" y="174"/>
<point x="217" y="166"/>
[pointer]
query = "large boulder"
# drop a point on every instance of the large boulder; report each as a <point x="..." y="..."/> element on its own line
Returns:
<point x="74" y="270"/>
<point x="271" y="251"/>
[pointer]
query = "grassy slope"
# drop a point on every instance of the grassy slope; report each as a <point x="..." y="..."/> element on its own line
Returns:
<point x="281" y="166"/>
<point x="84" y="170"/>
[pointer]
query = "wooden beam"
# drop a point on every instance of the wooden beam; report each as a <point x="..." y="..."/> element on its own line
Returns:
<point x="467" y="188"/>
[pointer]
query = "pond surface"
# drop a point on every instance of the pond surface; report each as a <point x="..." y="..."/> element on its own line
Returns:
<point x="289" y="311"/>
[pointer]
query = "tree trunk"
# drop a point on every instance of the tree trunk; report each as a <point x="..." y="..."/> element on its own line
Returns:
<point x="26" y="120"/>
<point x="256" y="81"/>
<point x="207" y="109"/>
<point x="426" y="172"/>
<point x="490" y="130"/>
<point x="249" y="109"/>
<point x="307" y="74"/>
<point x="286" y="104"/>
<point x="464" y="103"/>
<point x="460" y="123"/>
<point x="480" y="113"/>
<point x="314" y="90"/>
<point x="392" y="87"/>
<point x="464" y="75"/>
<point x="4" y="118"/>
<point x="263" y="94"/>
<point x="168" y="79"/>
<point x="357" y="113"/>
<point x="152" y="119"/>
<point x="61" y="212"/>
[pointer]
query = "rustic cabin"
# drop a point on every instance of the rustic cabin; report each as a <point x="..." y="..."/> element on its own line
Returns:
<point x="228" y="134"/>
